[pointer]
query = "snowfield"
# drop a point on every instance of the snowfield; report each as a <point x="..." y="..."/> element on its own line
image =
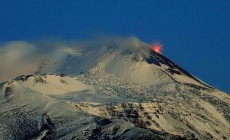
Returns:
<point x="119" y="91"/>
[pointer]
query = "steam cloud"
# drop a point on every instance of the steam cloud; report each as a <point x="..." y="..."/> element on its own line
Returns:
<point x="23" y="58"/>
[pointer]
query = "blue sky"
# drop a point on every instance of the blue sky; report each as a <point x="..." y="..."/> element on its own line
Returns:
<point x="195" y="33"/>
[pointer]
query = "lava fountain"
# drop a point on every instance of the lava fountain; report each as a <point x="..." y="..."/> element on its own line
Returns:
<point x="157" y="47"/>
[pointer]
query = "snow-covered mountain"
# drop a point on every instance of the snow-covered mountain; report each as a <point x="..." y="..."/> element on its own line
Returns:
<point x="117" y="91"/>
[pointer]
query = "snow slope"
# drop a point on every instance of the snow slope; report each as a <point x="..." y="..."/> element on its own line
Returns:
<point x="117" y="91"/>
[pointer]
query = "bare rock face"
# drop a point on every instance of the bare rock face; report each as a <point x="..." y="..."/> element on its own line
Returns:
<point x="113" y="93"/>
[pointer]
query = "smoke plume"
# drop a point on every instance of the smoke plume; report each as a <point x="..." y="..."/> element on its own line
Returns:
<point x="23" y="57"/>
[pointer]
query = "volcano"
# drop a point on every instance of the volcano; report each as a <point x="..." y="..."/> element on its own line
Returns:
<point x="117" y="91"/>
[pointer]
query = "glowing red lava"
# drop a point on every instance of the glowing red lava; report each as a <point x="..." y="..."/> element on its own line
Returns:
<point x="156" y="47"/>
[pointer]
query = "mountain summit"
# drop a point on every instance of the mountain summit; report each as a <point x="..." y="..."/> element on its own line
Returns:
<point x="120" y="90"/>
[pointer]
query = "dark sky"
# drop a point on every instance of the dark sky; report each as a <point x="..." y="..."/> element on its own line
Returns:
<point x="195" y="33"/>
